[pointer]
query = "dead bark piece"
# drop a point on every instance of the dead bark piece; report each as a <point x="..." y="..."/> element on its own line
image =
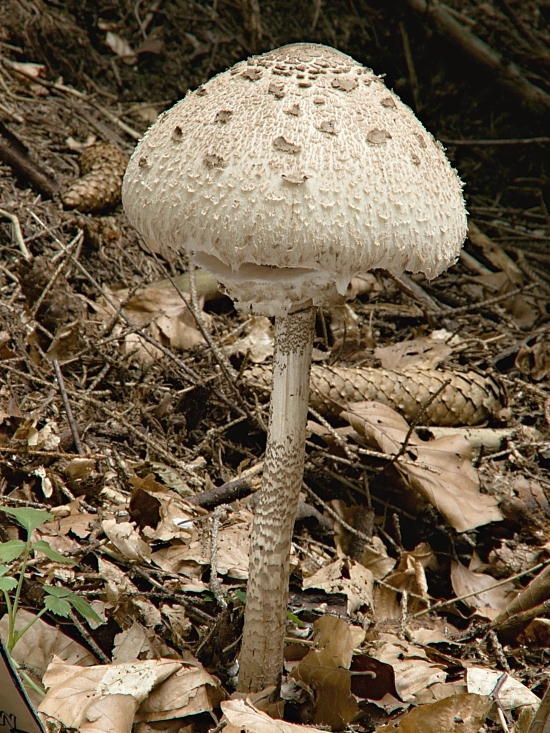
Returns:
<point x="102" y="168"/>
<point x="468" y="399"/>
<point x="507" y="74"/>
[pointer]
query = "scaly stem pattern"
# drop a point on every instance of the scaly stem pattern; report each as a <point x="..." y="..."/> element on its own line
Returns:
<point x="261" y="659"/>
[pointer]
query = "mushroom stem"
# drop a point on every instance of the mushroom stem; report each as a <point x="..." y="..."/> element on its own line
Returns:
<point x="261" y="659"/>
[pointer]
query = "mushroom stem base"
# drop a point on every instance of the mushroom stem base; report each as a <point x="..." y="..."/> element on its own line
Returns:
<point x="261" y="659"/>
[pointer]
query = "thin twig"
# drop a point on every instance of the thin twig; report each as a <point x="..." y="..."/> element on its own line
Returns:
<point x="17" y="233"/>
<point x="442" y="604"/>
<point x="67" y="406"/>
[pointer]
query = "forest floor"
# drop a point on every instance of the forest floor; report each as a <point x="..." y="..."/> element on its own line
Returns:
<point x="420" y="577"/>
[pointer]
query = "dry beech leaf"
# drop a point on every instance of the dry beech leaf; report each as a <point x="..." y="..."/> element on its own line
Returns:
<point x="126" y="540"/>
<point x="325" y="669"/>
<point x="190" y="691"/>
<point x="348" y="577"/>
<point x="163" y="312"/>
<point x="131" y="644"/>
<point x="40" y="644"/>
<point x="120" y="47"/>
<point x="102" y="698"/>
<point x="457" y="714"/>
<point x="488" y="603"/>
<point x="375" y="556"/>
<point x="409" y="575"/>
<point x="258" y="341"/>
<point x="413" y="670"/>
<point x="243" y="717"/>
<point x="344" y="323"/>
<point x="233" y="543"/>
<point x="511" y="695"/>
<point x="440" y="470"/>
<point x="423" y="353"/>
<point x="536" y="592"/>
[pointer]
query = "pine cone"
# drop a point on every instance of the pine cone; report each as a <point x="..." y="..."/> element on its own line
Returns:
<point x="468" y="399"/>
<point x="102" y="168"/>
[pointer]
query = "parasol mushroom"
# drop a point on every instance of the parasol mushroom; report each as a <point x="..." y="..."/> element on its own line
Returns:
<point x="286" y="176"/>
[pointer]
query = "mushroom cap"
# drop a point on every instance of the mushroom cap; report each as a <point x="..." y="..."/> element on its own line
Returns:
<point x="289" y="174"/>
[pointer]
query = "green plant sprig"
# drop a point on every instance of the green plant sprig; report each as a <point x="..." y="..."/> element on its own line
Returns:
<point x="58" y="601"/>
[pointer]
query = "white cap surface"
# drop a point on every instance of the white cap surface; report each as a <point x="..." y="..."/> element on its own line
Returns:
<point x="292" y="172"/>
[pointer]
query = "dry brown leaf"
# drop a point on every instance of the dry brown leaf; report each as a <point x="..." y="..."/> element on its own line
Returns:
<point x="537" y="591"/>
<point x="126" y="540"/>
<point x="344" y="323"/>
<point x="409" y="575"/>
<point x="243" y="717"/>
<point x="120" y="47"/>
<point x="325" y="670"/>
<point x="439" y="691"/>
<point x="413" y="670"/>
<point x="423" y="353"/>
<point x="40" y="644"/>
<point x="348" y="577"/>
<point x="257" y="344"/>
<point x="375" y="556"/>
<point x="520" y="307"/>
<point x="534" y="361"/>
<point x="102" y="698"/>
<point x="457" y="714"/>
<point x="180" y="625"/>
<point x="511" y="695"/>
<point x="190" y="691"/>
<point x="131" y="644"/>
<point x="488" y="603"/>
<point x="440" y="470"/>
<point x="163" y="312"/>
<point x="232" y="544"/>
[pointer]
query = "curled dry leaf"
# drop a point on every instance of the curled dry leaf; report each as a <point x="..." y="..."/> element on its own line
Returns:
<point x="163" y="312"/>
<point x="488" y="603"/>
<point x="348" y="577"/>
<point x="102" y="698"/>
<point x="511" y="695"/>
<point x="126" y="540"/>
<point x="409" y="575"/>
<point x="190" y="691"/>
<point x="423" y="353"/>
<point x="411" y="665"/>
<point x="139" y="642"/>
<point x="457" y="714"/>
<point x="232" y="548"/>
<point x="440" y="470"/>
<point x="40" y="644"/>
<point x="325" y="669"/>
<point x="243" y="717"/>
<point x="120" y="47"/>
<point x="257" y="344"/>
<point x="537" y="591"/>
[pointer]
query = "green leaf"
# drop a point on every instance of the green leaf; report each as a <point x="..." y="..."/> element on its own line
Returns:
<point x="7" y="584"/>
<point x="59" y="606"/>
<point x="241" y="595"/>
<point x="11" y="550"/>
<point x="84" y="608"/>
<point x="57" y="592"/>
<point x="295" y="620"/>
<point x="43" y="546"/>
<point x="28" y="518"/>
